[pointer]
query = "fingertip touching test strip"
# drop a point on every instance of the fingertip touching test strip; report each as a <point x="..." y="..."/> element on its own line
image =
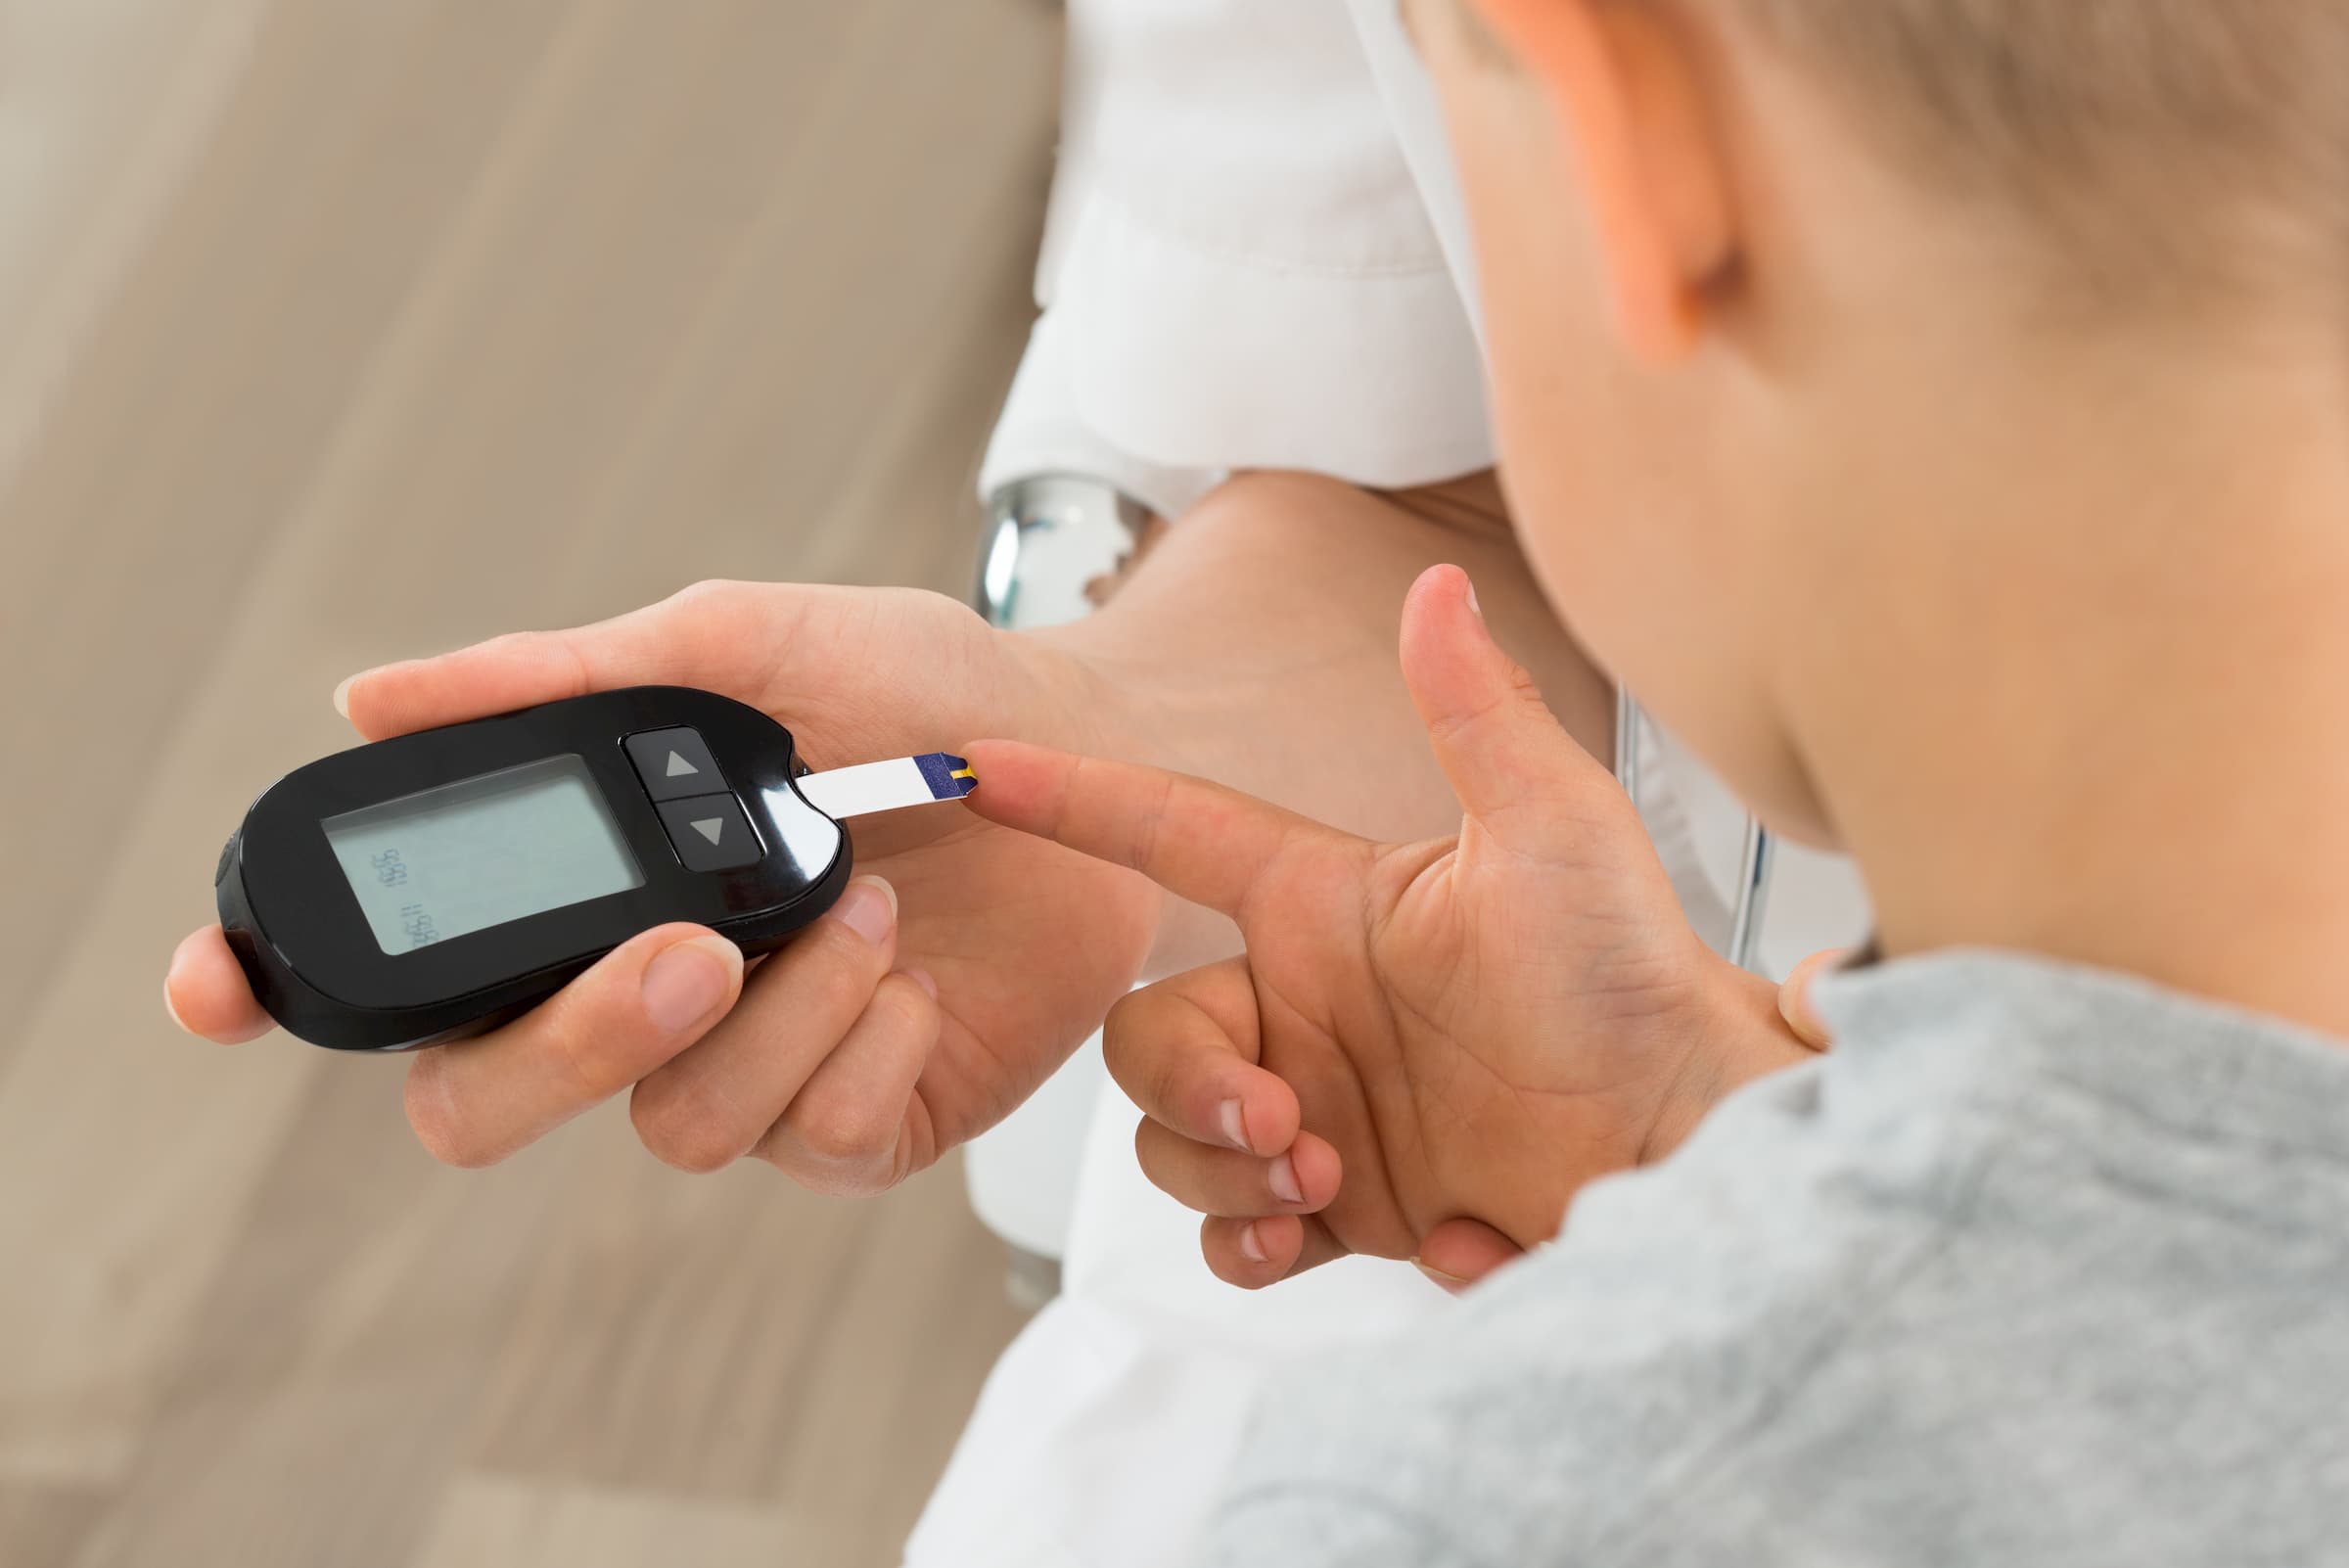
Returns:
<point x="902" y="781"/>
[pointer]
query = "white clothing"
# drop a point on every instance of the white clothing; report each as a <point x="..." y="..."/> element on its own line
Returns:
<point x="1241" y="268"/>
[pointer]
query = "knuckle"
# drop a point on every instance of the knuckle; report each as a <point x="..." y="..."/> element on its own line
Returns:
<point x="711" y="595"/>
<point x="839" y="1142"/>
<point x="1158" y="1153"/>
<point x="506" y="642"/>
<point x="678" y="1129"/>
<point x="1120" y="1044"/>
<point x="944" y="608"/>
<point x="902" y="1008"/>
<point x="555" y="653"/>
<point x="838" y="1130"/>
<point x="598" y="1065"/>
<point x="716" y="616"/>
<point x="1167" y="1087"/>
<point x="837" y="995"/>
<point x="1150" y="824"/>
<point x="1120" y="1015"/>
<point x="1157" y="1176"/>
<point x="845" y="974"/>
<point x="1128" y="1027"/>
<point x="1133" y="1046"/>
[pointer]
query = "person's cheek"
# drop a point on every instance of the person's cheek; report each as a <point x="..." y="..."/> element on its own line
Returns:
<point x="1561" y="456"/>
<point x="1549" y="353"/>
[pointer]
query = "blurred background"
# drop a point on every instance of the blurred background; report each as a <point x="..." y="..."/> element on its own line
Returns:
<point x="338" y="331"/>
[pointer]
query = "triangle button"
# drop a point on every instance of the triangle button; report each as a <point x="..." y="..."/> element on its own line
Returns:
<point x="675" y="763"/>
<point x="710" y="833"/>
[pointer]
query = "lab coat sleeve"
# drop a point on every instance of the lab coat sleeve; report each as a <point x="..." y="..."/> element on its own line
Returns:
<point x="1240" y="270"/>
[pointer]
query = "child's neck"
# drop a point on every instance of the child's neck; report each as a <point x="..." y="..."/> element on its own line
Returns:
<point x="2113" y="724"/>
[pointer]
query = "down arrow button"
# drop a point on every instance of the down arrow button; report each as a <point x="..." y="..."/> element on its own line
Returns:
<point x="710" y="833"/>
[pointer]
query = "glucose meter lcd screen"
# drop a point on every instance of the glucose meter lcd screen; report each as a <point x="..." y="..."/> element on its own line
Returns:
<point x="481" y="852"/>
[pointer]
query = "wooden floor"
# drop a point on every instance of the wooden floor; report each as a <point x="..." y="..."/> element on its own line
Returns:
<point x="330" y="332"/>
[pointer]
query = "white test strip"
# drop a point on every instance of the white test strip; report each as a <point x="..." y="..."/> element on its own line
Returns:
<point x="899" y="782"/>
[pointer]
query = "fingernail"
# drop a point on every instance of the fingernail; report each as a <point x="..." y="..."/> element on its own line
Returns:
<point x="1474" y="608"/>
<point x="922" y="978"/>
<point x="168" y="1007"/>
<point x="342" y="694"/>
<point x="1252" y="1249"/>
<point x="1282" y="1180"/>
<point x="1450" y="1282"/>
<point x="686" y="982"/>
<point x="1235" y="1126"/>
<point x="869" y="909"/>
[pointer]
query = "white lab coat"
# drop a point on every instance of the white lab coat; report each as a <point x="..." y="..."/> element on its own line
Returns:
<point x="1255" y="257"/>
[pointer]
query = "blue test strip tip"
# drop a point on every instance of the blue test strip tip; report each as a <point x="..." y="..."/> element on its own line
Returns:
<point x="949" y="776"/>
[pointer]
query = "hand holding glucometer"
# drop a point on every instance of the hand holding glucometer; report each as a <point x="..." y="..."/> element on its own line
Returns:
<point x="940" y="967"/>
<point x="428" y="887"/>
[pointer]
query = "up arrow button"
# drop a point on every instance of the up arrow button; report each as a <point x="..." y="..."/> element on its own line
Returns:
<point x="675" y="763"/>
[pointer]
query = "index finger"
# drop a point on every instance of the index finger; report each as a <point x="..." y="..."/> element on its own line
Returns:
<point x="1198" y="841"/>
<point x="716" y="635"/>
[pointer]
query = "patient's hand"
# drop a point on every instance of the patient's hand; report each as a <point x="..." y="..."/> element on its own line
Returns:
<point x="1427" y="1049"/>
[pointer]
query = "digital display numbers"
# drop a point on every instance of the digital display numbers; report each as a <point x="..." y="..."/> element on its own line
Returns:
<point x="481" y="852"/>
<point x="392" y="871"/>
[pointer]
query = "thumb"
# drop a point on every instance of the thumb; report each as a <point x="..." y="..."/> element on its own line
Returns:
<point x="1794" y="997"/>
<point x="1517" y="772"/>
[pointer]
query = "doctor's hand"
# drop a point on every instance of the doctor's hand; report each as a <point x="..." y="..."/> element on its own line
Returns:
<point x="1427" y="1049"/>
<point x="927" y="1006"/>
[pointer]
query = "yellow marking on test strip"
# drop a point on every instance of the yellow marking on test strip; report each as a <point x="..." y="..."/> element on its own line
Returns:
<point x="962" y="772"/>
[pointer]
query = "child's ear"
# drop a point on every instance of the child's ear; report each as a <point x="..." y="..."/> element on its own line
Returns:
<point x="1624" y="82"/>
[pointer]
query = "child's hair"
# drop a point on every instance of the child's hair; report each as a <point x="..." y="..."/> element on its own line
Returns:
<point x="2169" y="143"/>
<point x="2172" y="149"/>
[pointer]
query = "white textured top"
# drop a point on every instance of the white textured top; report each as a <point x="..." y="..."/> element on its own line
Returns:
<point x="1255" y="257"/>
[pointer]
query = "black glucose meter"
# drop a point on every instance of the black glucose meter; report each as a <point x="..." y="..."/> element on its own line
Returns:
<point x="432" y="885"/>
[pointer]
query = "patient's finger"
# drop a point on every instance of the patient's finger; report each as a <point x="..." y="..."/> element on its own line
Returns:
<point x="1512" y="764"/>
<point x="1184" y="1052"/>
<point x="716" y="635"/>
<point x="206" y="992"/>
<point x="1459" y="1253"/>
<point x="1199" y="841"/>
<point x="1225" y="1181"/>
<point x="1255" y="1253"/>
<point x="1794" y="999"/>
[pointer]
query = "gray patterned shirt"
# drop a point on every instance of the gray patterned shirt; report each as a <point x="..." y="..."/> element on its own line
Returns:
<point x="2039" y="1266"/>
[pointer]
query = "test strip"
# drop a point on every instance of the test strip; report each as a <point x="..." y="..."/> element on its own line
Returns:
<point x="902" y="781"/>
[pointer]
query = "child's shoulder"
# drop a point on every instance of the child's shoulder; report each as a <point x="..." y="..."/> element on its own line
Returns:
<point x="1556" y="1407"/>
<point x="1916" y="1279"/>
